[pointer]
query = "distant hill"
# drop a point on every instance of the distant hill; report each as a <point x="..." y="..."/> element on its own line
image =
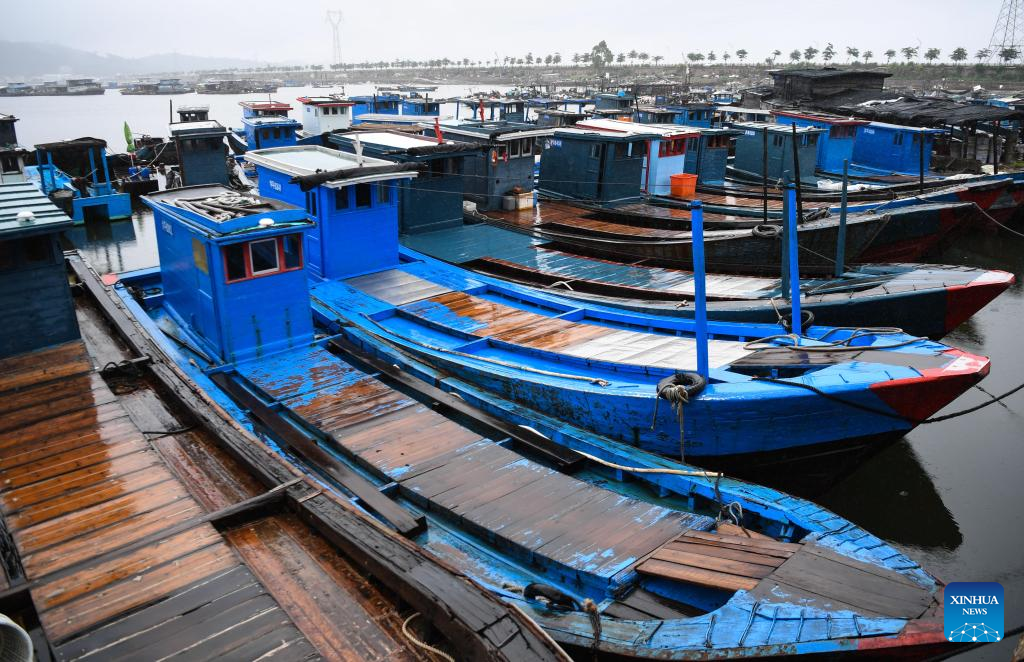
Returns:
<point x="22" y="60"/>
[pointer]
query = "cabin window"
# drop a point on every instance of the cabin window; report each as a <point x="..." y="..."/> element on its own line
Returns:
<point x="277" y="132"/>
<point x="234" y="262"/>
<point x="266" y="133"/>
<point x="777" y="141"/>
<point x="291" y="249"/>
<point x="341" y="198"/>
<point x="311" y="203"/>
<point x="383" y="192"/>
<point x="262" y="257"/>
<point x="595" y="150"/>
<point x="437" y="168"/>
<point x="8" y="163"/>
<point x="362" y="195"/>
<point x="513" y="149"/>
<point x="842" y="132"/>
<point x="897" y="138"/>
<point x="622" y="150"/>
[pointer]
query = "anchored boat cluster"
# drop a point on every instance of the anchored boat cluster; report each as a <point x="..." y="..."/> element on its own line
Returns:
<point x="500" y="386"/>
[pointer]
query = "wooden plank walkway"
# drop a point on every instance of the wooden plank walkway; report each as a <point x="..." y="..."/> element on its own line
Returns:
<point x="119" y="558"/>
<point x="450" y="469"/>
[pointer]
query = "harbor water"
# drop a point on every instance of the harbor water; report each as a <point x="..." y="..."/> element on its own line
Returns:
<point x="949" y="494"/>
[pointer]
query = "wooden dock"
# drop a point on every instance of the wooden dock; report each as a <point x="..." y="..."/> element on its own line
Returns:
<point x="129" y="533"/>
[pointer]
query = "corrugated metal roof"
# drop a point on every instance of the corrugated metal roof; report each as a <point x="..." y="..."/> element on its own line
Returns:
<point x="22" y="197"/>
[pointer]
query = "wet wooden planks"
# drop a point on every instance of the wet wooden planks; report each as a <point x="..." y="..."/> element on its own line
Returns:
<point x="818" y="577"/>
<point x="722" y="561"/>
<point x="107" y="535"/>
<point x="489" y="318"/>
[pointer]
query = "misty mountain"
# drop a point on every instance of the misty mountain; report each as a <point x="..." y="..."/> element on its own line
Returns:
<point x="25" y="60"/>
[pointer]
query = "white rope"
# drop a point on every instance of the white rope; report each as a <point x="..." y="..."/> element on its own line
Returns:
<point x="421" y="644"/>
<point x="649" y="470"/>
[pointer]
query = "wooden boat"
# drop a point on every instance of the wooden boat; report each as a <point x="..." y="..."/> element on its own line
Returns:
<point x="542" y="519"/>
<point x="727" y="251"/>
<point x="923" y="300"/>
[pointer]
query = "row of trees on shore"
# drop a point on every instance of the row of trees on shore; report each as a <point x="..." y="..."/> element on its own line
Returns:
<point x="601" y="56"/>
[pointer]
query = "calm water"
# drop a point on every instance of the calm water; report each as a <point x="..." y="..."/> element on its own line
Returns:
<point x="949" y="494"/>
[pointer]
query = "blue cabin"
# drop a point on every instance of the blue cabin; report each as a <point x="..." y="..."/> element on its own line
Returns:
<point x="708" y="154"/>
<point x="723" y="97"/>
<point x="728" y="115"/>
<point x="654" y="115"/>
<point x="493" y="109"/>
<point x="353" y="199"/>
<point x="202" y="152"/>
<point x="619" y="102"/>
<point x="835" y="144"/>
<point x="379" y="104"/>
<point x="34" y="293"/>
<point x="554" y="117"/>
<point x="893" y="148"/>
<point x="433" y="201"/>
<point x="505" y="163"/>
<point x="750" y="150"/>
<point x="666" y="150"/>
<point x="264" y="132"/>
<point x="414" y="104"/>
<point x="76" y="176"/>
<point x="12" y="155"/>
<point x="591" y="165"/>
<point x="693" y="113"/>
<point x="236" y="283"/>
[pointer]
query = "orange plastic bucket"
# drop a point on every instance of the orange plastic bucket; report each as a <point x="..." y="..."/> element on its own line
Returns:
<point x="683" y="185"/>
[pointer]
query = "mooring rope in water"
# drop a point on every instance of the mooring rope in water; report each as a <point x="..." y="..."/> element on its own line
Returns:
<point x="422" y="644"/>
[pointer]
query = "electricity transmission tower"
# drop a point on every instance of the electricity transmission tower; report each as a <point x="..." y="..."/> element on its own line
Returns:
<point x="334" y="18"/>
<point x="1007" y="36"/>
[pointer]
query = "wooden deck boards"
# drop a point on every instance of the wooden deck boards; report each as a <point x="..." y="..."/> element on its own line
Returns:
<point x="488" y="318"/>
<point x="118" y="560"/>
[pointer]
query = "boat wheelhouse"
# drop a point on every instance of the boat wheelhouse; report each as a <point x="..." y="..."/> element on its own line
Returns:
<point x="193" y="113"/>
<point x="414" y="104"/>
<point x="505" y="165"/>
<point x="554" y="117"/>
<point x="202" y="152"/>
<point x="269" y="131"/>
<point x="893" y="148"/>
<point x="385" y="103"/>
<point x="233" y="280"/>
<point x="269" y="108"/>
<point x="324" y="114"/>
<point x="37" y="306"/>
<point x="12" y="155"/>
<point x="752" y="151"/>
<point x="76" y="176"/>
<point x="433" y="200"/>
<point x="356" y="206"/>
<point x="729" y="114"/>
<point x="593" y="165"/>
<point x="835" y="143"/>
<point x="614" y="102"/>
<point x="654" y="115"/>
<point x="693" y="113"/>
<point x="666" y="150"/>
<point x="491" y="109"/>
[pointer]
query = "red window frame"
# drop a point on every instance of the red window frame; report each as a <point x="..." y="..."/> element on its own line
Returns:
<point x="247" y="258"/>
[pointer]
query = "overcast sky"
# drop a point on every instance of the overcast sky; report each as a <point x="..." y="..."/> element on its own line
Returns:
<point x="296" y="30"/>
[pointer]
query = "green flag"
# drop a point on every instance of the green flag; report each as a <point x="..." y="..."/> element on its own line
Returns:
<point x="128" y="137"/>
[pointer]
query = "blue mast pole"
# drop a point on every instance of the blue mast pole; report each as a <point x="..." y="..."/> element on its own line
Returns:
<point x="792" y="249"/>
<point x="699" y="286"/>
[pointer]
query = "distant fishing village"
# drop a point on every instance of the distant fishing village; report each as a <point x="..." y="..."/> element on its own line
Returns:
<point x="593" y="354"/>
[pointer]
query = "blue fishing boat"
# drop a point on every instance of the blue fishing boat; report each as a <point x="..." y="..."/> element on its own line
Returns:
<point x="491" y="109"/>
<point x="75" y="174"/>
<point x="417" y="104"/>
<point x="603" y="368"/>
<point x="323" y="115"/>
<point x="202" y="152"/>
<point x="613" y="551"/>
<point x="381" y="103"/>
